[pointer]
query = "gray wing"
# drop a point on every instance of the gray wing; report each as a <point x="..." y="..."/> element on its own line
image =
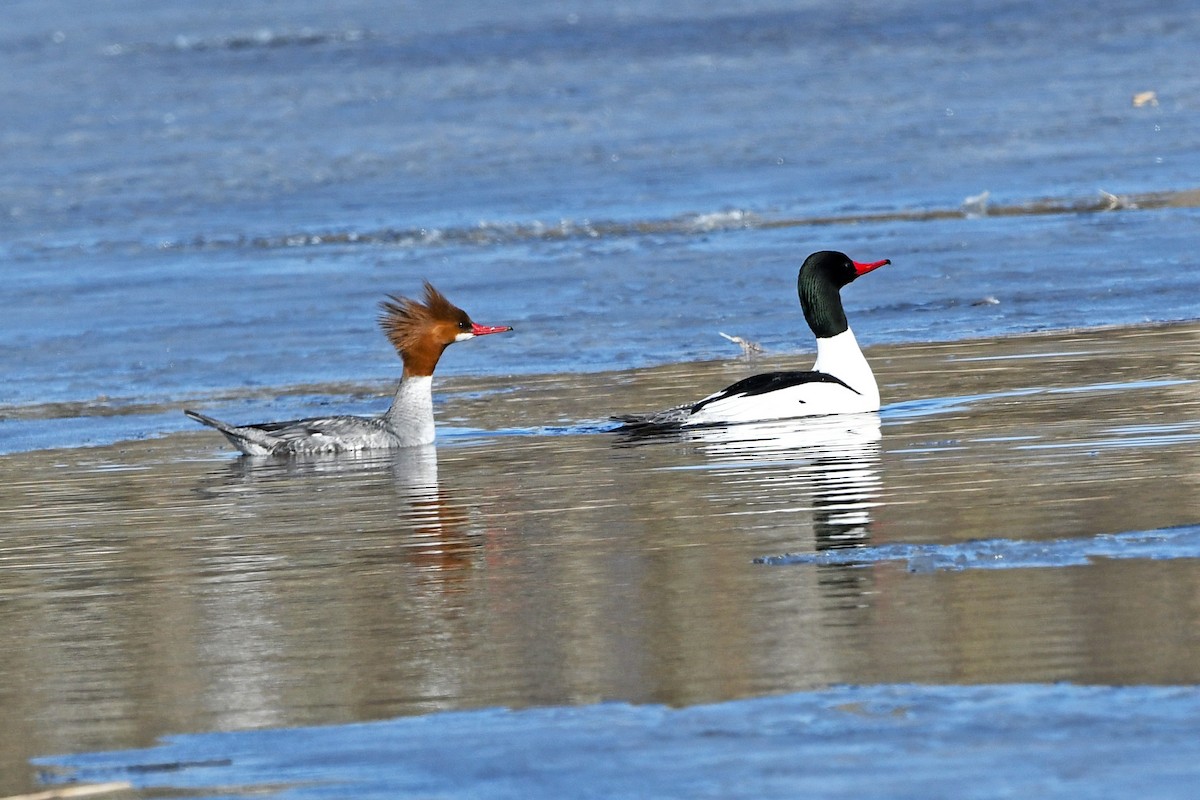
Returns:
<point x="326" y="434"/>
<point x="314" y="435"/>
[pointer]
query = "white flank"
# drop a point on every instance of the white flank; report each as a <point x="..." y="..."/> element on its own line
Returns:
<point x="838" y="356"/>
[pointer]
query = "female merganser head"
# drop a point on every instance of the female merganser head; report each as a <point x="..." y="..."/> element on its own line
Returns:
<point x="420" y="331"/>
<point x="841" y="382"/>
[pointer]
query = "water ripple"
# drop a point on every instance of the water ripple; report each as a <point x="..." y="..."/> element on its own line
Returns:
<point x="487" y="233"/>
<point x="1168" y="543"/>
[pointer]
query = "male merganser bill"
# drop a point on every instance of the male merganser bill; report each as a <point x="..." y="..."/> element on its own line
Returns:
<point x="841" y="382"/>
<point x="419" y="331"/>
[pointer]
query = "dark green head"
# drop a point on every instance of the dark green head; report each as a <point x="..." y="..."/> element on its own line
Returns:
<point x="822" y="276"/>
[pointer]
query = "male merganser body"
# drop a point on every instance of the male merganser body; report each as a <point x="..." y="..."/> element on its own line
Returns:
<point x="841" y="382"/>
<point x="420" y="332"/>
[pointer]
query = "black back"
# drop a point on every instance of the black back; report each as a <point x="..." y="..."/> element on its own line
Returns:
<point x="769" y="382"/>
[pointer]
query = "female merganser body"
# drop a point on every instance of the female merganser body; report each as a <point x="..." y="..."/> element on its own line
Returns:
<point x="420" y="332"/>
<point x="841" y="382"/>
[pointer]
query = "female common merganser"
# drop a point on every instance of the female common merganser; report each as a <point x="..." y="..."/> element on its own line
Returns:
<point x="419" y="332"/>
<point x="841" y="382"/>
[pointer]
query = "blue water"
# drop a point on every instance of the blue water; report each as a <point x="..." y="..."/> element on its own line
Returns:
<point x="206" y="201"/>
<point x="846" y="742"/>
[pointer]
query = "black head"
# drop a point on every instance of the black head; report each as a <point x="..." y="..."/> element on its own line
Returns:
<point x="822" y="276"/>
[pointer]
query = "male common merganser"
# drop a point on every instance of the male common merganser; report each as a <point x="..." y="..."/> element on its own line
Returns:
<point x="419" y="331"/>
<point x="841" y="382"/>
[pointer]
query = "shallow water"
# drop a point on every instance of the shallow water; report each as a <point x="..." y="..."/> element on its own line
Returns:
<point x="518" y="564"/>
<point x="203" y="204"/>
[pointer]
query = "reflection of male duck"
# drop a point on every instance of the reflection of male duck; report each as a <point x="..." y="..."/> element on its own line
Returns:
<point x="837" y="457"/>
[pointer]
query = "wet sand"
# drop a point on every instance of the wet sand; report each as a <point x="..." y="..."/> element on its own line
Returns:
<point x="532" y="559"/>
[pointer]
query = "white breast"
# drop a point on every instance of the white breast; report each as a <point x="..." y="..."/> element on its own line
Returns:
<point x="841" y="357"/>
<point x="410" y="417"/>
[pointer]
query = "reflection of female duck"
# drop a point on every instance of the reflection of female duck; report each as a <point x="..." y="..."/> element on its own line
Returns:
<point x="441" y="540"/>
<point x="433" y="529"/>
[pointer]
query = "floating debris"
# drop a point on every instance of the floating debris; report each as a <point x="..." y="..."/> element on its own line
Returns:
<point x="748" y="348"/>
<point x="977" y="204"/>
<point x="1142" y="99"/>
<point x="1116" y="202"/>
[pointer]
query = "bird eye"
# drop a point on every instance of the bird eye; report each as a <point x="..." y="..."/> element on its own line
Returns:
<point x="464" y="325"/>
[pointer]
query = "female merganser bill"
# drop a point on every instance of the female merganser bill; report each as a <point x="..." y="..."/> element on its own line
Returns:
<point x="841" y="382"/>
<point x="419" y="331"/>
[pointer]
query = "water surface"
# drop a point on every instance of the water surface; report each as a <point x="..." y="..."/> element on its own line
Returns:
<point x="531" y="560"/>
<point x="204" y="204"/>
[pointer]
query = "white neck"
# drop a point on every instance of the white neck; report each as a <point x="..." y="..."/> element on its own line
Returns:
<point x="841" y="357"/>
<point x="411" y="414"/>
